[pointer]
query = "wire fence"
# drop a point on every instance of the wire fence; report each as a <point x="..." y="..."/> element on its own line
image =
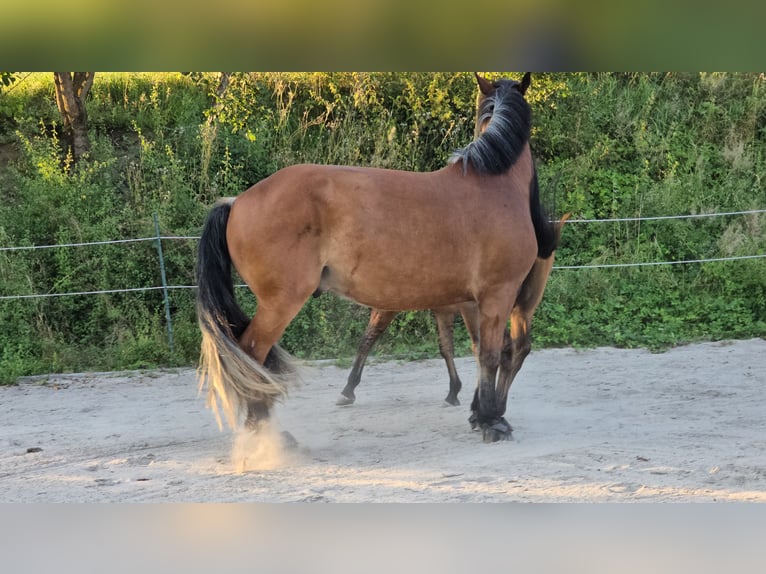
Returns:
<point x="165" y="287"/>
<point x="196" y="237"/>
<point x="667" y="217"/>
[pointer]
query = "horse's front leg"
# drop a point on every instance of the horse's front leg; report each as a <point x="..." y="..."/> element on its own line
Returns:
<point x="486" y="406"/>
<point x="500" y="390"/>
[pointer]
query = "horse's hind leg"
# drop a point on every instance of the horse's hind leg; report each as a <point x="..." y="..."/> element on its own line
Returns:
<point x="516" y="347"/>
<point x="517" y="342"/>
<point x="257" y="414"/>
<point x="445" y="321"/>
<point x="379" y="321"/>
<point x="259" y="341"/>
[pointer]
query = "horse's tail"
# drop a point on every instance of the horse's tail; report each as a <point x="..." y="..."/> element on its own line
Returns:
<point x="233" y="377"/>
<point x="531" y="292"/>
<point x="545" y="230"/>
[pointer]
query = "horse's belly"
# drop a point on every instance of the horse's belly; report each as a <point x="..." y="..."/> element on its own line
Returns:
<point x="384" y="287"/>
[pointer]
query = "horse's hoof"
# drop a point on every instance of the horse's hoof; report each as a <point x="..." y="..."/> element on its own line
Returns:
<point x="344" y="401"/>
<point x="288" y="440"/>
<point x="496" y="432"/>
<point x="452" y="401"/>
<point x="473" y="420"/>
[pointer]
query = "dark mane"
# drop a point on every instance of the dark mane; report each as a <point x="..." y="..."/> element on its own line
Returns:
<point x="498" y="148"/>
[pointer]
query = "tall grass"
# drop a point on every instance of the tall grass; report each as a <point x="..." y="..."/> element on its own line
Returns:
<point x="608" y="145"/>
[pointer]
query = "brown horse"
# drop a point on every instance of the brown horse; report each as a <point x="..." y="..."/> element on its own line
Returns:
<point x="516" y="347"/>
<point x="387" y="239"/>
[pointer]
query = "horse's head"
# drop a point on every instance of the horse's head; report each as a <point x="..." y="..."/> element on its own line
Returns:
<point x="503" y="125"/>
<point x="487" y="89"/>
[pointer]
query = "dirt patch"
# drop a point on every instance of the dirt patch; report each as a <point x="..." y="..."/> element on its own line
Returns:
<point x="596" y="425"/>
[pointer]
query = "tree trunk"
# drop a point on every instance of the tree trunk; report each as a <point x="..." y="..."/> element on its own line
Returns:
<point x="71" y="91"/>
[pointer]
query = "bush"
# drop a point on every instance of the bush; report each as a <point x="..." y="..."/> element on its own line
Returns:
<point x="607" y="145"/>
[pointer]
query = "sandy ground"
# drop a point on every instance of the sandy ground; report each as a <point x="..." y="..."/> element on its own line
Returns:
<point x="594" y="425"/>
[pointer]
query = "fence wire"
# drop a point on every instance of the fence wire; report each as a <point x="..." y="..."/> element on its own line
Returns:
<point x="655" y="263"/>
<point x="561" y="267"/>
<point x="196" y="237"/>
<point x="667" y="217"/>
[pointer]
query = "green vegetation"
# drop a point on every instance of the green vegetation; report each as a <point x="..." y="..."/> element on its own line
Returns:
<point x="608" y="145"/>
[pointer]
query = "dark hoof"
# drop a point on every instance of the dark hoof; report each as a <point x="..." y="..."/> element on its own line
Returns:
<point x="288" y="441"/>
<point x="500" y="424"/>
<point x="495" y="431"/>
<point x="498" y="431"/>
<point x="450" y="400"/>
<point x="344" y="401"/>
<point x="491" y="434"/>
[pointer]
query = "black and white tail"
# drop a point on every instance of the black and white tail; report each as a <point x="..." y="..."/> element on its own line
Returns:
<point x="232" y="376"/>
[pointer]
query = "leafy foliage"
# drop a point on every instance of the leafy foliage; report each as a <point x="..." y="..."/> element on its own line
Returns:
<point x="608" y="145"/>
<point x="7" y="78"/>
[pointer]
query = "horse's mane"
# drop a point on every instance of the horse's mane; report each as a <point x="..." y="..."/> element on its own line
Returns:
<point x="498" y="148"/>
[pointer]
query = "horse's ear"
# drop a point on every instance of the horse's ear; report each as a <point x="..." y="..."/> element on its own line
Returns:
<point x="485" y="85"/>
<point x="525" y="81"/>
